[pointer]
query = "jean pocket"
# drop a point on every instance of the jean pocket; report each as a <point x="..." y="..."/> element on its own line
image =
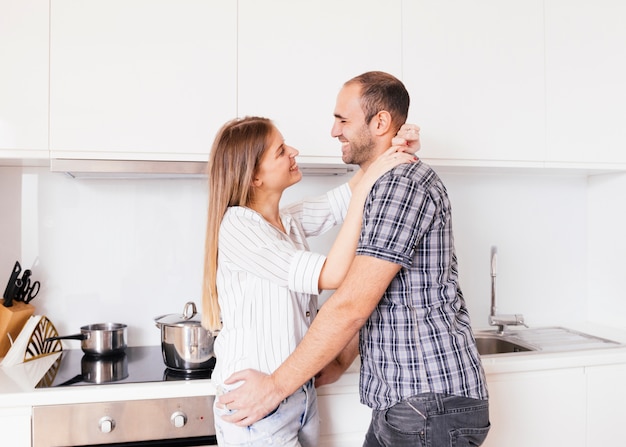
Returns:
<point x="271" y="413"/>
<point x="468" y="437"/>
<point x="222" y="411"/>
<point x="407" y="417"/>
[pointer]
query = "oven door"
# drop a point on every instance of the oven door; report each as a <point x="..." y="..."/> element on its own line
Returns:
<point x="186" y="421"/>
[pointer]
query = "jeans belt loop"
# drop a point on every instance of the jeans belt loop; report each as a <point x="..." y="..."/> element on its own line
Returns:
<point x="440" y="405"/>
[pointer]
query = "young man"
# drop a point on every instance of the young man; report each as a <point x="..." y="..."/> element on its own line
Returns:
<point x="421" y="372"/>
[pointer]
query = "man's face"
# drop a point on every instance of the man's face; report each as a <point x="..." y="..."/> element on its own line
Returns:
<point x="357" y="144"/>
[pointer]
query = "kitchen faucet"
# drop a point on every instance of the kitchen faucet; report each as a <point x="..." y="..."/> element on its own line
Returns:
<point x="501" y="321"/>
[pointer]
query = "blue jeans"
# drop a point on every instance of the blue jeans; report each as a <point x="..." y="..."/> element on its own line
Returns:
<point x="430" y="420"/>
<point x="294" y="423"/>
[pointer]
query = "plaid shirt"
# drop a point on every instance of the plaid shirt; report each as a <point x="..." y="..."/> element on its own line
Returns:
<point x="418" y="339"/>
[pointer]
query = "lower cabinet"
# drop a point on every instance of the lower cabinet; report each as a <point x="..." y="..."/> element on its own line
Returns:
<point x="606" y="394"/>
<point x="344" y="420"/>
<point x="573" y="407"/>
<point x="15" y="427"/>
<point x="538" y="408"/>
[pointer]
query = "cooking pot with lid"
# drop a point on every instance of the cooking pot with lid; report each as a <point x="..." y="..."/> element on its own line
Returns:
<point x="186" y="345"/>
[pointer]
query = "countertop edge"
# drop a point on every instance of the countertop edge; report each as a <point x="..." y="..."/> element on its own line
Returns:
<point x="14" y="395"/>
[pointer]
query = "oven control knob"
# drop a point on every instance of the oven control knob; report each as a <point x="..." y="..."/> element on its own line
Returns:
<point x="106" y="424"/>
<point x="178" y="419"/>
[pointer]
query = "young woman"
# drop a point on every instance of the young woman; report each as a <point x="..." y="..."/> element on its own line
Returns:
<point x="261" y="281"/>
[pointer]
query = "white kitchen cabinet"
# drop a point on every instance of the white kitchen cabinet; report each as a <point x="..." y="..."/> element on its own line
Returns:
<point x="15" y="426"/>
<point x="24" y="79"/>
<point x="476" y="74"/>
<point x="540" y="408"/>
<point x="344" y="420"/>
<point x="141" y="79"/>
<point x="294" y="61"/>
<point x="585" y="73"/>
<point x="606" y="390"/>
<point x="534" y="408"/>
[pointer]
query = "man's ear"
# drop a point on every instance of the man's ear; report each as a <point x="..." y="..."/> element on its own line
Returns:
<point x="381" y="123"/>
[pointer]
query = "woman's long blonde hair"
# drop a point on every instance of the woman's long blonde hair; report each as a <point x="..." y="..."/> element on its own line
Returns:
<point x="235" y="156"/>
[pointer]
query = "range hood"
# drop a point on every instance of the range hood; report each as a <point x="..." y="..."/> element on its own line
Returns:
<point x="133" y="169"/>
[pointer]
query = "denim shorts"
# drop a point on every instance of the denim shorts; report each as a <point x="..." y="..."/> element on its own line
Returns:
<point x="434" y="420"/>
<point x="294" y="423"/>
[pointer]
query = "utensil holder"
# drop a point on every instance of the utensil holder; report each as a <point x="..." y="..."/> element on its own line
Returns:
<point x="12" y="320"/>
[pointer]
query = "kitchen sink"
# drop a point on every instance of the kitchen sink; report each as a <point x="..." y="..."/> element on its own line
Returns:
<point x="546" y="339"/>
<point x="494" y="344"/>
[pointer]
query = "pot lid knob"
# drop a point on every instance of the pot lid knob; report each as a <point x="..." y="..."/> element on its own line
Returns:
<point x="190" y="310"/>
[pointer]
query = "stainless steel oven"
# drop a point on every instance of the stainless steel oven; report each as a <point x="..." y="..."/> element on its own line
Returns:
<point x="184" y="421"/>
<point x="176" y="421"/>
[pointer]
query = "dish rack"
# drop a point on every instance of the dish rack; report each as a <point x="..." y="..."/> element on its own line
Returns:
<point x="31" y="342"/>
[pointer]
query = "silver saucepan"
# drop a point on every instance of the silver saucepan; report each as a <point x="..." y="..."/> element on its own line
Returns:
<point x="100" y="338"/>
<point x="185" y="343"/>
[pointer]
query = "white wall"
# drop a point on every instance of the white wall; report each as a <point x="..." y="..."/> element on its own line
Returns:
<point x="108" y="250"/>
<point x="538" y="224"/>
<point x="129" y="250"/>
<point x="607" y="245"/>
<point x="10" y="221"/>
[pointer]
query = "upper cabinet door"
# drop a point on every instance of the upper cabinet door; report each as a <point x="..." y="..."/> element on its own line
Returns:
<point x="476" y="74"/>
<point x="586" y="80"/>
<point x="294" y="56"/>
<point x="141" y="79"/>
<point x="24" y="78"/>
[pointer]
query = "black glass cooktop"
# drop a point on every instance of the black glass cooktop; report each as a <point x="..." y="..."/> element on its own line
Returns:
<point x="135" y="365"/>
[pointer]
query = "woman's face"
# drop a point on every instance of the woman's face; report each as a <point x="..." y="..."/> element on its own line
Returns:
<point x="278" y="169"/>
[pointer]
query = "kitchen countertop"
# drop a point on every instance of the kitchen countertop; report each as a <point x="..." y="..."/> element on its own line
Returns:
<point x="17" y="388"/>
<point x="538" y="361"/>
<point x="17" y="383"/>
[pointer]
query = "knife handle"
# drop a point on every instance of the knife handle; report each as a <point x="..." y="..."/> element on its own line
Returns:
<point x="9" y="291"/>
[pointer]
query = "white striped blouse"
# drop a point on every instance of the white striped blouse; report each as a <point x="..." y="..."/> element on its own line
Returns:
<point x="267" y="281"/>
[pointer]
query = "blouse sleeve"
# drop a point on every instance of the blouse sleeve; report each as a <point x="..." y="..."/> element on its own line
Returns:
<point x="320" y="214"/>
<point x="248" y="245"/>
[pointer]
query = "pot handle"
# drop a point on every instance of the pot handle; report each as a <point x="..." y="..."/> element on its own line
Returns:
<point x="190" y="307"/>
<point x="68" y="337"/>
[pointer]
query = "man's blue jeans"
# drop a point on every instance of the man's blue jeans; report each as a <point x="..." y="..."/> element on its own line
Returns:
<point x="430" y="420"/>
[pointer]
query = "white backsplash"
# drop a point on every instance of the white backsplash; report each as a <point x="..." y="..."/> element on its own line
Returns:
<point x="129" y="250"/>
<point x="607" y="245"/>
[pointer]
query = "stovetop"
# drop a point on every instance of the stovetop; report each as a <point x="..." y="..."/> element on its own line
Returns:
<point x="135" y="365"/>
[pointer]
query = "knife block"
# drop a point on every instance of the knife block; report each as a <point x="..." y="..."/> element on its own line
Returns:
<point x="12" y="320"/>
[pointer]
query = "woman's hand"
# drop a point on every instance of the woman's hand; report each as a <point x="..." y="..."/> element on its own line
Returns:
<point x="389" y="159"/>
<point x="408" y="137"/>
